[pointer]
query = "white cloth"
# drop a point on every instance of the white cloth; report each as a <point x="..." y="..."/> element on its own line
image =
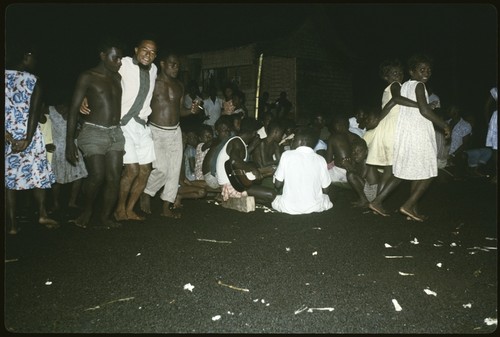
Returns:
<point x="223" y="156"/>
<point x="304" y="174"/>
<point x="167" y="166"/>
<point x="460" y="130"/>
<point x="415" y="152"/>
<point x="338" y="174"/>
<point x="130" y="87"/>
<point x="213" y="110"/>
<point x="139" y="147"/>
<point x="354" y="127"/>
<point x="492" y="135"/>
<point x="320" y="145"/>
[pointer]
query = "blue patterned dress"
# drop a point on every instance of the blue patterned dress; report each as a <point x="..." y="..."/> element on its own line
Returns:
<point x="28" y="169"/>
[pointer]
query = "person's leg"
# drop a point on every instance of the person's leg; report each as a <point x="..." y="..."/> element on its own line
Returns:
<point x="262" y="195"/>
<point x="43" y="219"/>
<point x="113" y="168"/>
<point x="95" y="165"/>
<point x="136" y="190"/>
<point x="157" y="176"/>
<point x="189" y="192"/>
<point x="10" y="211"/>
<point x="128" y="178"/>
<point x="56" y="194"/>
<point x="410" y="207"/>
<point x="390" y="185"/>
<point x="385" y="177"/>
<point x="173" y="170"/>
<point x="76" y="187"/>
<point x="357" y="183"/>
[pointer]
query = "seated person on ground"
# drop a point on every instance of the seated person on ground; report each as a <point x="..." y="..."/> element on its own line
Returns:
<point x="303" y="177"/>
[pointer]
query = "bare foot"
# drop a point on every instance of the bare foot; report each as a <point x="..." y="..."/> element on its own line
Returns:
<point x="145" y="203"/>
<point x="14" y="230"/>
<point x="48" y="222"/>
<point x="177" y="203"/>
<point x="170" y="214"/>
<point x="109" y="223"/>
<point x="131" y="215"/>
<point x="82" y="221"/>
<point x="377" y="209"/>
<point x="359" y="204"/>
<point x="411" y="215"/>
<point x="120" y="215"/>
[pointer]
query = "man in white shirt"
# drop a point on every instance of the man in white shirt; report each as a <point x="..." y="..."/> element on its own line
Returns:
<point x="304" y="177"/>
<point x="213" y="107"/>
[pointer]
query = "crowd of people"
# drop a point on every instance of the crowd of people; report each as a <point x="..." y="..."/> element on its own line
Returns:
<point x="131" y="131"/>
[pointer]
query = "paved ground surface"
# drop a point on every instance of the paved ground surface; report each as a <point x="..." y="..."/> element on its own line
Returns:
<point x="265" y="272"/>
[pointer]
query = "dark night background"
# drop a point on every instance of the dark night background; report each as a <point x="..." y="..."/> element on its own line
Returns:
<point x="462" y="38"/>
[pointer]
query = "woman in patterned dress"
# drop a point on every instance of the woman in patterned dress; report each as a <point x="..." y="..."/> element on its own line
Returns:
<point x="26" y="164"/>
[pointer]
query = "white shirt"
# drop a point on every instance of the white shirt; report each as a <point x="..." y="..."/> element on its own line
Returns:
<point x="212" y="109"/>
<point x="354" y="127"/>
<point x="221" y="174"/>
<point x="130" y="86"/>
<point x="304" y="174"/>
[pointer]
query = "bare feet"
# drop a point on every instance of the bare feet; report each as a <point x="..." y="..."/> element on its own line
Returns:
<point x="14" y="230"/>
<point x="413" y="216"/>
<point x="377" y="209"/>
<point x="82" y="221"/>
<point x="131" y="215"/>
<point x="171" y="214"/>
<point x="177" y="203"/>
<point x="359" y="204"/>
<point x="48" y="222"/>
<point x="145" y="203"/>
<point x="120" y="215"/>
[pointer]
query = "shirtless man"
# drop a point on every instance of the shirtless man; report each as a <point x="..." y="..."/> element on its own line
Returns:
<point x="167" y="107"/>
<point x="268" y="150"/>
<point x="101" y="138"/>
<point x="138" y="76"/>
<point x="340" y="150"/>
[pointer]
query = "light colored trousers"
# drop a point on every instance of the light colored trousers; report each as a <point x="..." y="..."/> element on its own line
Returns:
<point x="167" y="166"/>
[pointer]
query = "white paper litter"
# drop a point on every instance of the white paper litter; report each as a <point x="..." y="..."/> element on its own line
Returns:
<point x="468" y="305"/>
<point x="397" y="257"/>
<point x="138" y="254"/>
<point x="439" y="264"/>
<point x="405" y="274"/>
<point x="216" y="318"/>
<point x="430" y="292"/>
<point x="315" y="253"/>
<point x="453" y="244"/>
<point x="437" y="245"/>
<point x="301" y="309"/>
<point x="48" y="283"/>
<point x="262" y="301"/>
<point x="318" y="228"/>
<point x="256" y="300"/>
<point x="210" y="240"/>
<point x="287" y="249"/>
<point x="490" y="238"/>
<point x="387" y="245"/>
<point x="492" y="248"/>
<point x="415" y="241"/>
<point x="397" y="307"/>
<point x="189" y="287"/>
<point x="490" y="321"/>
<point x="320" y="309"/>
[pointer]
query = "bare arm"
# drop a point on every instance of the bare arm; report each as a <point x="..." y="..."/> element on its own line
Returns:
<point x="427" y="112"/>
<point x="396" y="99"/>
<point x="78" y="96"/>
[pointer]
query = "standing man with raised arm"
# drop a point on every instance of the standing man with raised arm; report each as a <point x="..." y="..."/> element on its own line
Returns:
<point x="167" y="107"/>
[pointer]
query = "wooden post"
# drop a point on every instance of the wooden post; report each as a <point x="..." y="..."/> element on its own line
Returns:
<point x="257" y="92"/>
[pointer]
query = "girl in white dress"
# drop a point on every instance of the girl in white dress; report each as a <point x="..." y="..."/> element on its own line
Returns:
<point x="415" y="153"/>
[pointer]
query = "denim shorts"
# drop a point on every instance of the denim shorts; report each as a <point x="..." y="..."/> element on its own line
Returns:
<point x="96" y="139"/>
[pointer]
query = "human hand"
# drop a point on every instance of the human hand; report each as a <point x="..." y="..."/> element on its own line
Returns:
<point x="447" y="131"/>
<point x="71" y="153"/>
<point x="50" y="148"/>
<point x="19" y="145"/>
<point x="196" y="106"/>
<point x="84" y="107"/>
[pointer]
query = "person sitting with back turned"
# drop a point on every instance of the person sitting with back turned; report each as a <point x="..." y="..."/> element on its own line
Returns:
<point x="303" y="176"/>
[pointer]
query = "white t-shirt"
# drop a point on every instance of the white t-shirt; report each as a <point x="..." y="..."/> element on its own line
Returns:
<point x="213" y="110"/>
<point x="130" y="86"/>
<point x="304" y="174"/>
